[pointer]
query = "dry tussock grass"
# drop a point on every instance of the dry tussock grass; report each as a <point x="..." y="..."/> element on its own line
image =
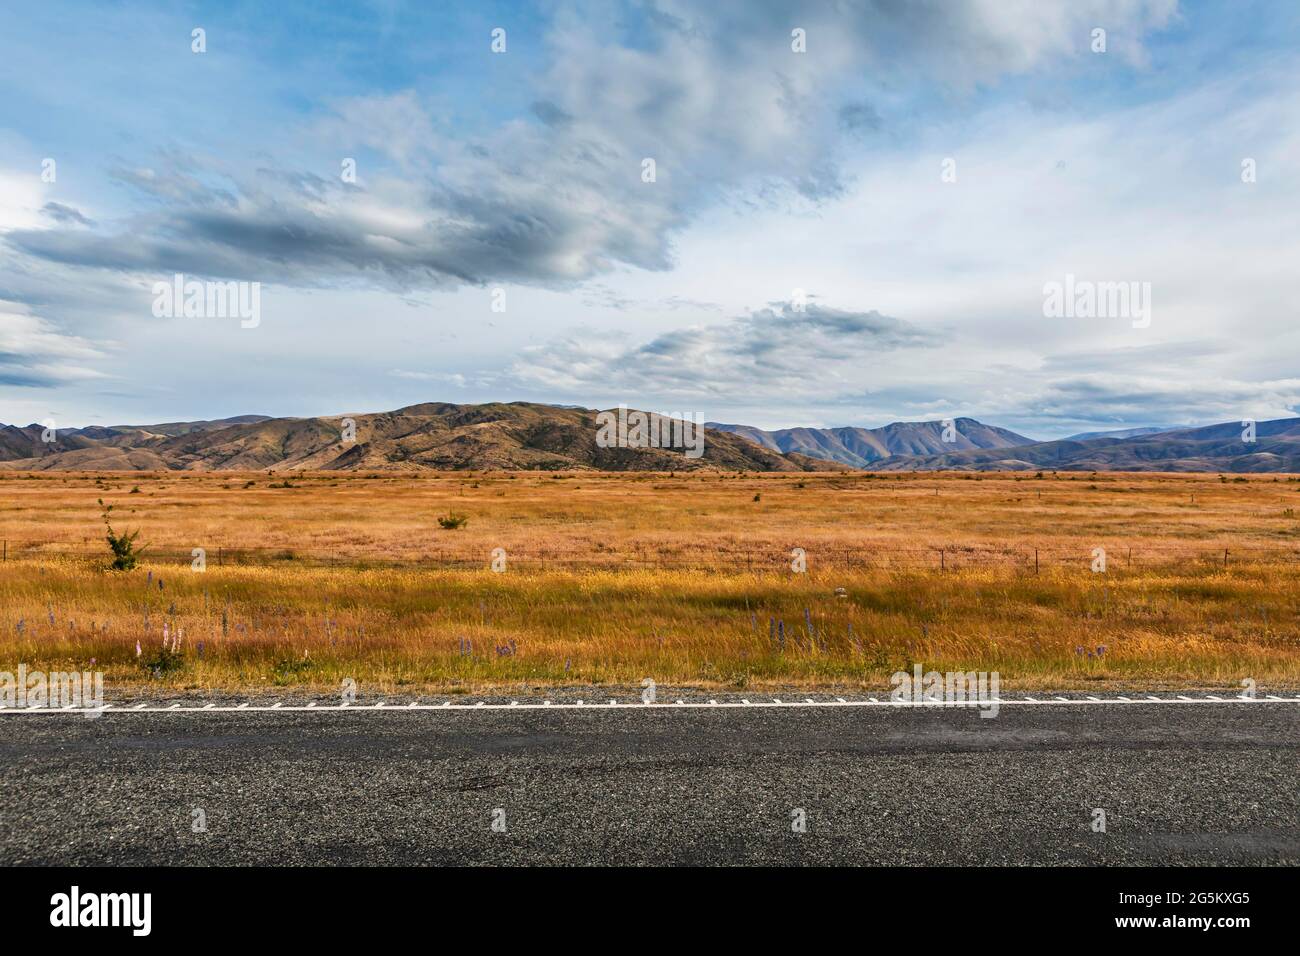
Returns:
<point x="685" y="579"/>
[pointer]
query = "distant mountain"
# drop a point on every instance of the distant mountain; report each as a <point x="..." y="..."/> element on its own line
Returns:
<point x="168" y="430"/>
<point x="527" y="436"/>
<point x="1125" y="432"/>
<point x="516" y="435"/>
<point x="863" y="447"/>
<point x="1212" y="448"/>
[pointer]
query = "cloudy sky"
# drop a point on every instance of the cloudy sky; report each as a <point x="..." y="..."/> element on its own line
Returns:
<point x="854" y="211"/>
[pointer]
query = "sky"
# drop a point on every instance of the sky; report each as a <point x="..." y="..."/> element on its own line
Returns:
<point x="854" y="214"/>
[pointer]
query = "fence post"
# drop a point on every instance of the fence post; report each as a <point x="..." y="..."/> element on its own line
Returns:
<point x="1035" y="560"/>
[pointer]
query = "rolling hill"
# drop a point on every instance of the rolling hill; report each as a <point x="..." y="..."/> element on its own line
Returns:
<point x="862" y="447"/>
<point x="1215" y="448"/>
<point x="438" y="436"/>
<point x="529" y="436"/>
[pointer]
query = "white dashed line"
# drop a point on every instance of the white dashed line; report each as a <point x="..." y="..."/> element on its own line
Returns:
<point x="382" y="706"/>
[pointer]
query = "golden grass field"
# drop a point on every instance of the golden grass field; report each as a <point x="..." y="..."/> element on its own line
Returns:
<point x="682" y="578"/>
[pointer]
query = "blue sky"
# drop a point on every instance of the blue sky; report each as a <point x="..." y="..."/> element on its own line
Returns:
<point x="515" y="178"/>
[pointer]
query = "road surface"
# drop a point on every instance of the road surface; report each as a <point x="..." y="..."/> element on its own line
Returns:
<point x="1178" y="783"/>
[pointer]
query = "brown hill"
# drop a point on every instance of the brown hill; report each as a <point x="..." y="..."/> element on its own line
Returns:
<point x="863" y="447"/>
<point x="508" y="436"/>
<point x="1214" y="448"/>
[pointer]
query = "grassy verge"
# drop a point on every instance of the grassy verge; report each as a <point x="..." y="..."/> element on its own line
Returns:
<point x="394" y="628"/>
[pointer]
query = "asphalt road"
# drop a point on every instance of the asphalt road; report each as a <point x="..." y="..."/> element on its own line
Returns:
<point x="1204" y="784"/>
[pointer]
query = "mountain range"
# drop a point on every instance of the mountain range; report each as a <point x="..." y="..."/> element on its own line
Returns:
<point x="432" y="436"/>
<point x="529" y="436"/>
<point x="863" y="447"/>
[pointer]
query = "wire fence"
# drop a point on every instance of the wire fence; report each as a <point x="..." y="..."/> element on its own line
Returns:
<point x="704" y="557"/>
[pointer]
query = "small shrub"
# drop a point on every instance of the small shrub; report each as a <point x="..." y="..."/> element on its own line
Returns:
<point x="289" y="671"/>
<point x="451" y="521"/>
<point x="168" y="660"/>
<point x="125" y="553"/>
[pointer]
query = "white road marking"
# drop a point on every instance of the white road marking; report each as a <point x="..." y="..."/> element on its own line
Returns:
<point x="1085" y="701"/>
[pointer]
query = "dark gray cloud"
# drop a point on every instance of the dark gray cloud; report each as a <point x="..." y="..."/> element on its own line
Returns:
<point x="550" y="114"/>
<point x="35" y="353"/>
<point x="1103" y="398"/>
<point x="713" y="93"/>
<point x="859" y="117"/>
<point x="772" y="350"/>
<point x="66" y="215"/>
